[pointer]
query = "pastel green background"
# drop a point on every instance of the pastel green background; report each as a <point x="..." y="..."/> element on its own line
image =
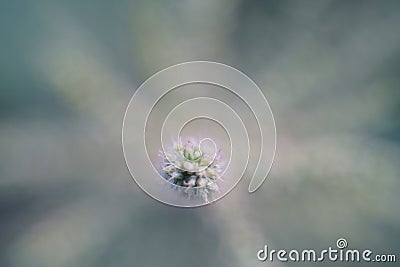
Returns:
<point x="330" y="70"/>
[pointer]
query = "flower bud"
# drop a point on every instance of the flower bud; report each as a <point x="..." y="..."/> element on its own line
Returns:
<point x="196" y="154"/>
<point x="201" y="182"/>
<point x="191" y="182"/>
<point x="211" y="172"/>
<point x="188" y="166"/>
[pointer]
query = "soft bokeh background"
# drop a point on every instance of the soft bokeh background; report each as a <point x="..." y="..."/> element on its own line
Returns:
<point x="330" y="70"/>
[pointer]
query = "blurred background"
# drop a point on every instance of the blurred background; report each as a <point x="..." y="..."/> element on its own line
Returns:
<point x="329" y="69"/>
